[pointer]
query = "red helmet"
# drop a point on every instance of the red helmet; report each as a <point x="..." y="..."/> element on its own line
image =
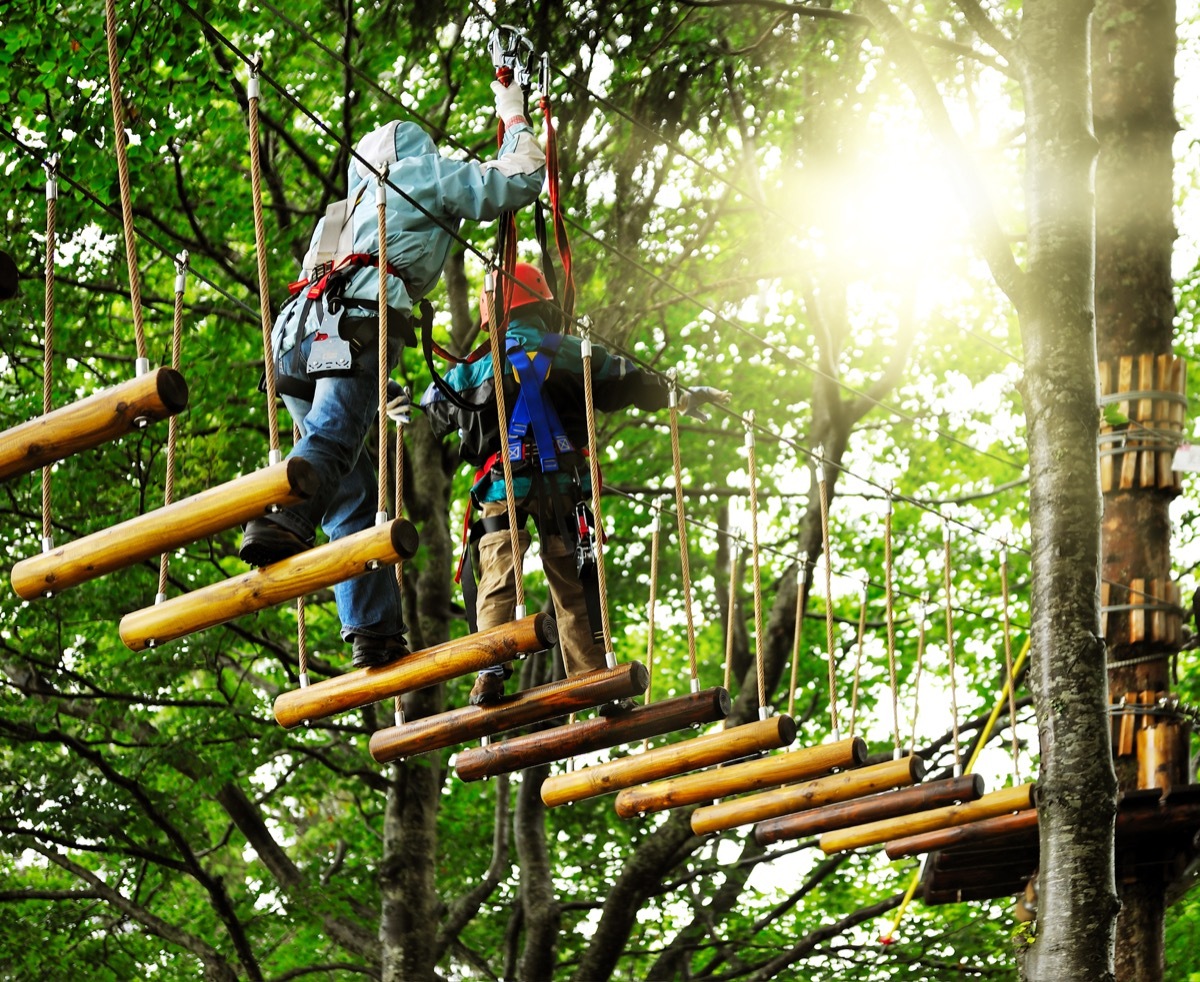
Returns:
<point x="530" y="288"/>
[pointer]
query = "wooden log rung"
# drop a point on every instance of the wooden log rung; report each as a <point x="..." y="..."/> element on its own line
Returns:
<point x="166" y="529"/>
<point x="590" y="735"/>
<point x="536" y="705"/>
<point x="313" y="569"/>
<point x="421" y="669"/>
<point x="82" y="425"/>
<point x="751" y="775"/>
<point x="1017" y="827"/>
<point x="851" y="784"/>
<point x="702" y="751"/>
<point x="873" y="833"/>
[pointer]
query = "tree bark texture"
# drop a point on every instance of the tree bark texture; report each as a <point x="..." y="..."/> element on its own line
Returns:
<point x="1077" y="793"/>
<point x="1133" y="80"/>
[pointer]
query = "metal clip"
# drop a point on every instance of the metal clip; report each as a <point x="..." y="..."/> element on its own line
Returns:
<point x="511" y="49"/>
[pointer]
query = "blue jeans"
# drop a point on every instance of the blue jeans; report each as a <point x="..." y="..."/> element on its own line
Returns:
<point x="333" y="426"/>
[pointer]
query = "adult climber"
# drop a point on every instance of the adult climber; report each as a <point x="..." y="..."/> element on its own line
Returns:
<point x="544" y="398"/>
<point x="325" y="340"/>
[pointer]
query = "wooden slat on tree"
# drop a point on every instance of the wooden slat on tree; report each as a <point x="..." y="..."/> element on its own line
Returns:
<point x="1129" y="457"/>
<point x="1125" y="734"/>
<point x="536" y="705"/>
<point x="589" y="735"/>
<point x="313" y="569"/>
<point x="703" y="751"/>
<point x="987" y="856"/>
<point x="85" y="424"/>
<point x="809" y="795"/>
<point x="990" y="805"/>
<point x="164" y="530"/>
<point x="1164" y="374"/>
<point x="876" y="807"/>
<point x="1106" y="458"/>
<point x="1104" y="605"/>
<point x="1145" y="416"/>
<point x="751" y="775"/>
<point x="1016" y="827"/>
<point x="421" y="669"/>
<point x="1137" y="615"/>
<point x="1178" y="412"/>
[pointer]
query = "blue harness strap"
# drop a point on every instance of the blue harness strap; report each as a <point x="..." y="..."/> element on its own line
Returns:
<point x="532" y="411"/>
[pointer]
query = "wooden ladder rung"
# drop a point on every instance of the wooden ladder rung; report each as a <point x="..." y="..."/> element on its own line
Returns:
<point x="164" y="530"/>
<point x="751" y="775"/>
<point x="888" y="804"/>
<point x="812" y="794"/>
<point x="1020" y="825"/>
<point x="313" y="569"/>
<point x="589" y="735"/>
<point x="873" y="833"/>
<point x="82" y="425"/>
<point x="536" y="705"/>
<point x="702" y="751"/>
<point x="421" y="669"/>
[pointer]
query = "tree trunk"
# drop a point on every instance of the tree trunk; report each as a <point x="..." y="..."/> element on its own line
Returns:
<point x="1077" y="786"/>
<point x="1133" y="56"/>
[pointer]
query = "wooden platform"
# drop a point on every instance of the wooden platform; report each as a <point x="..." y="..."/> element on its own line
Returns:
<point x="1154" y="830"/>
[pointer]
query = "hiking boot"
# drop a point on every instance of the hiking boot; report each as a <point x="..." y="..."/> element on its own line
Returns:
<point x="265" y="542"/>
<point x="487" y="690"/>
<point x="617" y="708"/>
<point x="377" y="652"/>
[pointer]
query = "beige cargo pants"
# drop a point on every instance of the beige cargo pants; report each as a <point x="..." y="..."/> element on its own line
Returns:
<point x="497" y="596"/>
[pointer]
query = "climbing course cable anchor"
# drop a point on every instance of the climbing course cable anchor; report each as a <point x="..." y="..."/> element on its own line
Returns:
<point x="510" y="49"/>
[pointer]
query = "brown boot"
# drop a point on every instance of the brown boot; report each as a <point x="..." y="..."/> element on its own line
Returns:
<point x="616" y="708"/>
<point x="487" y="690"/>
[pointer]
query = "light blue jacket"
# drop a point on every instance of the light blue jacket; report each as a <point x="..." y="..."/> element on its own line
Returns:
<point x="418" y="243"/>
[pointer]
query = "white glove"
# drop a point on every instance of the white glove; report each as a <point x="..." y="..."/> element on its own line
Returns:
<point x="691" y="401"/>
<point x="399" y="408"/>
<point x="510" y="100"/>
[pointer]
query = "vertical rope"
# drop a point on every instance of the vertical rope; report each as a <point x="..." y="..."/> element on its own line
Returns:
<point x="917" y="673"/>
<point x="752" y="464"/>
<point x="118" y="114"/>
<point x="862" y="630"/>
<point x="381" y="211"/>
<point x="399" y="504"/>
<point x="798" y="633"/>
<point x="495" y="334"/>
<point x="824" y="498"/>
<point x="950" y="650"/>
<point x="301" y="617"/>
<point x="48" y="338"/>
<point x="731" y="617"/>
<point x="594" y="464"/>
<point x="681" y="519"/>
<point x="173" y="423"/>
<point x="260" y="247"/>
<point x="655" y="535"/>
<point x="1008" y="663"/>
<point x="891" y="622"/>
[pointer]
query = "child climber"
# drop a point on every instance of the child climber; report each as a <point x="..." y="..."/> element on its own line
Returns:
<point x="544" y="395"/>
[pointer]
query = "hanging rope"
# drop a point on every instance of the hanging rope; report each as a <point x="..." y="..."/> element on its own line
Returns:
<point x="950" y="649"/>
<point x="755" y="558"/>
<point x="1008" y="663"/>
<point x="51" y="167"/>
<point x="594" y="465"/>
<point x="655" y="535"/>
<point x="260" y="247"/>
<point x="118" y="114"/>
<point x="731" y="617"/>
<point x="301" y="615"/>
<point x="181" y="262"/>
<point x="399" y="494"/>
<point x="824" y="498"/>
<point x="681" y="521"/>
<point x="798" y="631"/>
<point x="891" y="621"/>
<point x="920" y="661"/>
<point x="495" y="335"/>
<point x="862" y="626"/>
<point x="381" y="514"/>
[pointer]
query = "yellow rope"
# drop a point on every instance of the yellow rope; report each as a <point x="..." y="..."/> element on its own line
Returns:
<point x="798" y="631"/>
<point x="118" y="114"/>
<point x="260" y="246"/>
<point x="48" y="339"/>
<point x="862" y="630"/>
<point x="950" y="649"/>
<point x="824" y="497"/>
<point x="173" y="422"/>
<point x="891" y="623"/>
<point x="681" y="520"/>
<point x="655" y="534"/>
<point x="597" y="515"/>
<point x="920" y="662"/>
<point x="1008" y="663"/>
<point x="752" y="464"/>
